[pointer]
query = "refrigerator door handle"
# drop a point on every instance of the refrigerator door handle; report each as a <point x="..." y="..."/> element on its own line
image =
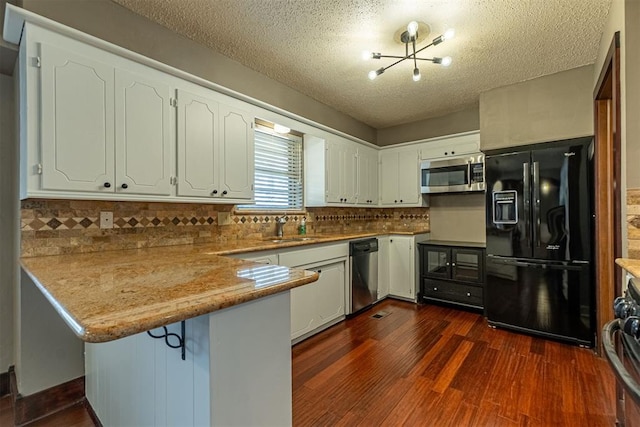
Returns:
<point x="526" y="173"/>
<point x="536" y="203"/>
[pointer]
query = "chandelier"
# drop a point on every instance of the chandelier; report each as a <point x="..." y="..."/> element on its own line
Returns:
<point x="409" y="38"/>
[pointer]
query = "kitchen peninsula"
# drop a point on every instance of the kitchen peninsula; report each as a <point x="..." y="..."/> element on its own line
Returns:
<point x="237" y="364"/>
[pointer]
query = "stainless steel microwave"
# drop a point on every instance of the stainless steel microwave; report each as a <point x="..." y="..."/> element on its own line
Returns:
<point x="454" y="175"/>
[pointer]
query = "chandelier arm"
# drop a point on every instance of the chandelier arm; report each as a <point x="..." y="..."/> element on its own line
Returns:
<point x="415" y="63"/>
<point x="402" y="58"/>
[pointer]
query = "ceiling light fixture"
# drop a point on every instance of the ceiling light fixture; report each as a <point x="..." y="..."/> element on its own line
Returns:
<point x="409" y="37"/>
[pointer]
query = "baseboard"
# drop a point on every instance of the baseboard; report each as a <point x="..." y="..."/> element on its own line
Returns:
<point x="4" y="384"/>
<point x="92" y="413"/>
<point x="45" y="402"/>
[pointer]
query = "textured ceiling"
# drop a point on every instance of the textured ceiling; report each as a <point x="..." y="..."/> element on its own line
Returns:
<point x="315" y="46"/>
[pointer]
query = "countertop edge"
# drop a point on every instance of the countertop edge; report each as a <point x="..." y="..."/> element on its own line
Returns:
<point x="631" y="265"/>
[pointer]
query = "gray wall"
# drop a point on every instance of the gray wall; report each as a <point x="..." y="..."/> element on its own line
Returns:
<point x="111" y="22"/>
<point x="9" y="224"/>
<point x="458" y="217"/>
<point x="457" y="122"/>
<point x="557" y="106"/>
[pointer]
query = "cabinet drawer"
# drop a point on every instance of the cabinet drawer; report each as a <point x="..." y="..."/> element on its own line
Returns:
<point x="452" y="292"/>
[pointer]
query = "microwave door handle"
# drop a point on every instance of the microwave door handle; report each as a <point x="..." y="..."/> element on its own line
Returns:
<point x="469" y="173"/>
<point x="526" y="173"/>
<point x="630" y="385"/>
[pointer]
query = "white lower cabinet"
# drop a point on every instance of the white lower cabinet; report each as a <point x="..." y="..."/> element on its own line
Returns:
<point x="319" y="303"/>
<point x="403" y="262"/>
<point x="383" y="267"/>
<point x="236" y="371"/>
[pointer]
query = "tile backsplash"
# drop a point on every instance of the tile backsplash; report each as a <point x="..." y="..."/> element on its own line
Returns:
<point x="52" y="227"/>
<point x="633" y="223"/>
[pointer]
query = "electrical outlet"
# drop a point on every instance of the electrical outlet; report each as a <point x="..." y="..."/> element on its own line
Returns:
<point x="106" y="219"/>
<point x="224" y="218"/>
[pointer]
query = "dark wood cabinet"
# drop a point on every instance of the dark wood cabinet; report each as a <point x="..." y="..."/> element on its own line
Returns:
<point x="452" y="272"/>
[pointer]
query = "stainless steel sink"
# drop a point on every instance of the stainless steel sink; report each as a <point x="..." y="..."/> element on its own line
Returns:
<point x="293" y="239"/>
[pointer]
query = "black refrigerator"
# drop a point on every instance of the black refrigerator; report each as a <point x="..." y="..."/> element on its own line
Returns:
<point x="539" y="276"/>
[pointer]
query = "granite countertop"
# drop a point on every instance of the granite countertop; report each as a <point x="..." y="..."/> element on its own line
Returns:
<point x="104" y="296"/>
<point x="631" y="265"/>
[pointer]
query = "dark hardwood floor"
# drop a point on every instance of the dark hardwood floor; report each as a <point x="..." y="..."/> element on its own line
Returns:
<point x="431" y="366"/>
<point x="435" y="366"/>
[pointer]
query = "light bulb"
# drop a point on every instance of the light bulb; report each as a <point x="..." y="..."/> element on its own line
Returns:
<point x="448" y="35"/>
<point x="416" y="74"/>
<point x="446" y="61"/>
<point x="375" y="73"/>
<point x="412" y="28"/>
<point x="366" y="55"/>
<point x="281" y="129"/>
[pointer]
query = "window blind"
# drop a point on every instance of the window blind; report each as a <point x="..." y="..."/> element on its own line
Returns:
<point x="278" y="172"/>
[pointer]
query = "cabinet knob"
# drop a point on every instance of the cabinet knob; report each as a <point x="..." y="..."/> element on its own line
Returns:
<point x="446" y="153"/>
<point x="453" y="264"/>
<point x="400" y="200"/>
<point x="435" y="289"/>
<point x="453" y="152"/>
<point x="124" y="186"/>
<point x="447" y="263"/>
<point x="214" y="192"/>
<point x="107" y="185"/>
<point x="395" y="201"/>
<point x="468" y="294"/>
<point x="224" y="193"/>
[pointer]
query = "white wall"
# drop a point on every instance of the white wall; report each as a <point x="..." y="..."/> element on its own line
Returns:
<point x="9" y="225"/>
<point x="48" y="352"/>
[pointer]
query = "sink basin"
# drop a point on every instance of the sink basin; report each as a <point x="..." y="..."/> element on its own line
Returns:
<point x="292" y="239"/>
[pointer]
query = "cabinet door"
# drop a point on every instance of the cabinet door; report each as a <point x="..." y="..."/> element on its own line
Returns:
<point x="236" y="154"/>
<point x="408" y="177"/>
<point x="334" y="156"/>
<point x="389" y="178"/>
<point x="466" y="265"/>
<point x="77" y="142"/>
<point x="303" y="310"/>
<point x="197" y="145"/>
<point x="401" y="267"/>
<point x="436" y="262"/>
<point x="383" y="267"/>
<point x="143" y="134"/>
<point x="330" y="292"/>
<point x="367" y="193"/>
<point x="349" y="173"/>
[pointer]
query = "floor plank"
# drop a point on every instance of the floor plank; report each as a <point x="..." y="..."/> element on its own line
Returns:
<point x="434" y="365"/>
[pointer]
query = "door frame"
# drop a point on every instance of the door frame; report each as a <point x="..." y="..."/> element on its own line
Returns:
<point x="608" y="221"/>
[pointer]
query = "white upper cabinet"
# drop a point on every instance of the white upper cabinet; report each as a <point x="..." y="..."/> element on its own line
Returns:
<point x="367" y="193"/>
<point x="98" y="125"/>
<point x="236" y="153"/>
<point x="197" y="145"/>
<point x="399" y="174"/>
<point x="450" y="146"/>
<point x="143" y="134"/>
<point x="331" y="171"/>
<point x="76" y="99"/>
<point x="215" y="148"/>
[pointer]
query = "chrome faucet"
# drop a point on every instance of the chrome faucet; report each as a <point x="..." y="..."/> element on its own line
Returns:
<point x="280" y="222"/>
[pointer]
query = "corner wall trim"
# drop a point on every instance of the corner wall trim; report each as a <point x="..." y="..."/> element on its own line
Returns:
<point x="4" y="384"/>
<point x="45" y="402"/>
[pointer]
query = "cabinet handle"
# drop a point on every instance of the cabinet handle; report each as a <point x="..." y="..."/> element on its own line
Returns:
<point x="224" y="193"/>
<point x="214" y="192"/>
<point x="124" y="186"/>
<point x="107" y="185"/>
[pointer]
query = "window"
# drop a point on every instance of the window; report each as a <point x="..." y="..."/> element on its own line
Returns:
<point x="278" y="171"/>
